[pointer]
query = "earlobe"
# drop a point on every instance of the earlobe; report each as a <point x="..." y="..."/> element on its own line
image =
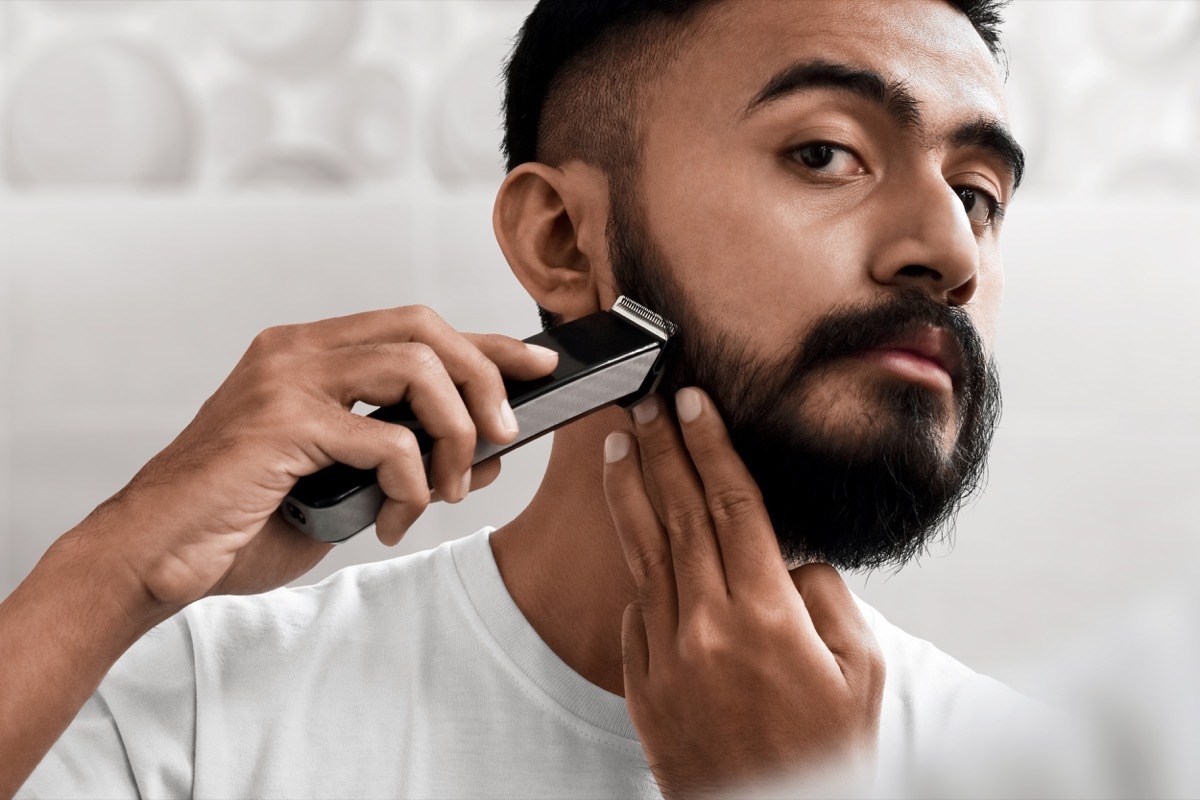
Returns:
<point x="550" y="225"/>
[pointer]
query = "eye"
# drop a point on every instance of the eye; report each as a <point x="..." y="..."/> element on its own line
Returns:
<point x="982" y="208"/>
<point x="828" y="159"/>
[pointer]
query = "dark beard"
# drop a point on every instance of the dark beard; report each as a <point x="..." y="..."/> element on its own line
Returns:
<point x="872" y="500"/>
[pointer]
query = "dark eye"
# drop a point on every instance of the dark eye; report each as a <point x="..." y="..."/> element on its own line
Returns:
<point x="816" y="155"/>
<point x="828" y="159"/>
<point x="982" y="209"/>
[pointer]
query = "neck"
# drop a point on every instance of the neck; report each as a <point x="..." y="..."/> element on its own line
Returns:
<point x="562" y="561"/>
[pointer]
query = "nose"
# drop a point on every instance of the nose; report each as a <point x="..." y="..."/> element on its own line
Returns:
<point x="926" y="241"/>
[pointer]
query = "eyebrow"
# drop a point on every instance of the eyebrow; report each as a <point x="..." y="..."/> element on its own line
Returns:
<point x="995" y="138"/>
<point x="895" y="98"/>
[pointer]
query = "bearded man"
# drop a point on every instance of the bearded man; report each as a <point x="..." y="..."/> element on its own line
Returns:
<point x="814" y="192"/>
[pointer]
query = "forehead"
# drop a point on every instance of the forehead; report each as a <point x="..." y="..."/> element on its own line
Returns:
<point x="928" y="45"/>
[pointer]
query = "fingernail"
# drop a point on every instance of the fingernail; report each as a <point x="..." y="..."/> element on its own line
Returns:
<point x="464" y="485"/>
<point x="507" y="417"/>
<point x="615" y="447"/>
<point x="687" y="404"/>
<point x="646" y="410"/>
<point x="542" y="352"/>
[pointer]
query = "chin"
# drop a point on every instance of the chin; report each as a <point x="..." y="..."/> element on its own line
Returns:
<point x="866" y="416"/>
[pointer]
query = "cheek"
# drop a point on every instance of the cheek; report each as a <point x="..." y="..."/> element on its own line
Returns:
<point x="987" y="302"/>
<point x="756" y="261"/>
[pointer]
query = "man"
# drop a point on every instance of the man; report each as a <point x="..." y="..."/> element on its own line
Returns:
<point x="813" y="191"/>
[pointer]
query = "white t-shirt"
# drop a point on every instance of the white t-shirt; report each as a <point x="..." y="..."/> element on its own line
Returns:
<point x="415" y="677"/>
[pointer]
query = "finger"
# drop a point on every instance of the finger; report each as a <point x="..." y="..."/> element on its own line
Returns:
<point x="514" y="358"/>
<point x="837" y="619"/>
<point x="385" y="374"/>
<point x="478" y="374"/>
<point x="749" y="548"/>
<point x="635" y="649"/>
<point x="391" y="450"/>
<point x="481" y="476"/>
<point x="467" y="365"/>
<point x="394" y="520"/>
<point x="405" y="487"/>
<point x="678" y="494"/>
<point x="643" y="539"/>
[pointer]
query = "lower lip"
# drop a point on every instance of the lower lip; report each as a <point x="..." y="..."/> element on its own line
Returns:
<point x="910" y="366"/>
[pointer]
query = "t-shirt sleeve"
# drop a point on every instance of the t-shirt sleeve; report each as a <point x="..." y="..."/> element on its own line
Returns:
<point x="135" y="737"/>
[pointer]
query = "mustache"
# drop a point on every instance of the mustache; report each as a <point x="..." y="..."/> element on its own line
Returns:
<point x="852" y="331"/>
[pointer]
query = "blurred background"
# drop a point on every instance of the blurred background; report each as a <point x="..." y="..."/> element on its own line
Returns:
<point x="176" y="176"/>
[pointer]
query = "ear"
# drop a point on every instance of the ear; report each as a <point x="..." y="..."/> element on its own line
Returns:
<point x="551" y="223"/>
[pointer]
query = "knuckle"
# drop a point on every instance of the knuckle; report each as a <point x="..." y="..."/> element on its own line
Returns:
<point x="423" y="356"/>
<point x="404" y="443"/>
<point x="657" y="453"/>
<point x="423" y="317"/>
<point x="649" y="562"/>
<point x="486" y="371"/>
<point x="734" y="504"/>
<point x="694" y="557"/>
<point x="701" y="640"/>
<point x="275" y="338"/>
<point x="771" y="618"/>
<point x="682" y="518"/>
<point x="461" y="428"/>
<point x="489" y="342"/>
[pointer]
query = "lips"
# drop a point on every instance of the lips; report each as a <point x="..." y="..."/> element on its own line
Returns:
<point x="935" y="345"/>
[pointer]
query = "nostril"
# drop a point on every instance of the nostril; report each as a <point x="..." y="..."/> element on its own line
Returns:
<point x="918" y="271"/>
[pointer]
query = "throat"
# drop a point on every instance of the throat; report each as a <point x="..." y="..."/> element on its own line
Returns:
<point x="562" y="562"/>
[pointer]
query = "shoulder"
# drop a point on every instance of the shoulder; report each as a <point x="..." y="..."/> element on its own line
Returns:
<point x="348" y="603"/>
<point x="928" y="693"/>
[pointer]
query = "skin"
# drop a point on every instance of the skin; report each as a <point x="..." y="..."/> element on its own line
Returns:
<point x="652" y="573"/>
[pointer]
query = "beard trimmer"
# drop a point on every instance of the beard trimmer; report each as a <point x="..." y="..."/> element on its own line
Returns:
<point x="609" y="357"/>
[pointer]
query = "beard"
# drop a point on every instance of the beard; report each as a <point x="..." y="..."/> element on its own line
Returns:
<point x="873" y="498"/>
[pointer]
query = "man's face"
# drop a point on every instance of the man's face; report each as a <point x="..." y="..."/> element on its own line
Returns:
<point x="814" y="205"/>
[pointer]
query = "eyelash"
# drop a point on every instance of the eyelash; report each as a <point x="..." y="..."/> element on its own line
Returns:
<point x="795" y="151"/>
<point x="996" y="208"/>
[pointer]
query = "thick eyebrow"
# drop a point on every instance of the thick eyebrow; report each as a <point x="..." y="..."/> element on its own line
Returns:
<point x="893" y="96"/>
<point x="995" y="138"/>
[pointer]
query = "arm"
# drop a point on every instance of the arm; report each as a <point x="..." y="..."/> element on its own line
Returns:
<point x="60" y="631"/>
<point x="201" y="519"/>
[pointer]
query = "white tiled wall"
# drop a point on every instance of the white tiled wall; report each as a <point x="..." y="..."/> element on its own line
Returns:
<point x="250" y="163"/>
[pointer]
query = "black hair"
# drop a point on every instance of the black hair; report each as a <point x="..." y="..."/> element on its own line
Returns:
<point x="559" y="34"/>
<point x="572" y="81"/>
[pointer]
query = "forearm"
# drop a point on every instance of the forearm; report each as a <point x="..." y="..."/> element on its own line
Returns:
<point x="60" y="632"/>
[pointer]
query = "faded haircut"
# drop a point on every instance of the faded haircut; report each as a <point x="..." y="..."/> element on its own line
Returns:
<point x="573" y="84"/>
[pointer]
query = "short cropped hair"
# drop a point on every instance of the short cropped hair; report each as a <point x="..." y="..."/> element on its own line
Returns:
<point x="571" y="83"/>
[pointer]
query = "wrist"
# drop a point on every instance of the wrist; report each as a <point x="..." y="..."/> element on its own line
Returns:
<point x="101" y="556"/>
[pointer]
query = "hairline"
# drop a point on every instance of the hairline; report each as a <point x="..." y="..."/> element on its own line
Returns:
<point x="689" y="23"/>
